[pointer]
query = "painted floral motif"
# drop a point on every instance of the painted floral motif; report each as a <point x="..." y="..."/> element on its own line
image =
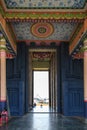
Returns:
<point x="42" y="30"/>
<point x="62" y="31"/>
<point x="45" y="3"/>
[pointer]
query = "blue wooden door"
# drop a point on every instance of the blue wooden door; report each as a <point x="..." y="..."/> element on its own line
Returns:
<point x="73" y="97"/>
<point x="15" y="92"/>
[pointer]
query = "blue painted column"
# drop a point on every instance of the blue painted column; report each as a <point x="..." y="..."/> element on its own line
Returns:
<point x="85" y="76"/>
<point x="2" y="73"/>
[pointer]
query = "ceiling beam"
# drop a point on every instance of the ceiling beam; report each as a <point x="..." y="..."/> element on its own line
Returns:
<point x="52" y="14"/>
<point x="78" y="37"/>
<point x="8" y="33"/>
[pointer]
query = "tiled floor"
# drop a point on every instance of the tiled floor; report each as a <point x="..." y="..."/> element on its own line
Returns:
<point x="44" y="121"/>
<point x="42" y="109"/>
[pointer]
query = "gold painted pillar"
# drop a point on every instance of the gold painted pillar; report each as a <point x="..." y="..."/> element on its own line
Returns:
<point x="85" y="76"/>
<point x="2" y="74"/>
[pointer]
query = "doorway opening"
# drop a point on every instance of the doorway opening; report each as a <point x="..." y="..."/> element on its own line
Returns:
<point x="41" y="88"/>
<point x="43" y="62"/>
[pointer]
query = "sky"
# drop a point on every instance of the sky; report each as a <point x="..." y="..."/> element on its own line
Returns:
<point x="41" y="83"/>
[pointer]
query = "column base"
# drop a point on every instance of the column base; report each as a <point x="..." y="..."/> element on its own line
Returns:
<point x="3" y="105"/>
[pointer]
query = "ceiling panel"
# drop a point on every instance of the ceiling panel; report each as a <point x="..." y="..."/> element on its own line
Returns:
<point x="45" y="3"/>
<point x="59" y="31"/>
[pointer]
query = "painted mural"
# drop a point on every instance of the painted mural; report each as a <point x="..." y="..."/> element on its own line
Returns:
<point x="62" y="31"/>
<point x="45" y="3"/>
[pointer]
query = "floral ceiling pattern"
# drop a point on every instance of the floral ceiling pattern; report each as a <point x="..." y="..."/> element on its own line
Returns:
<point x="45" y="3"/>
<point x="62" y="31"/>
<point x="42" y="29"/>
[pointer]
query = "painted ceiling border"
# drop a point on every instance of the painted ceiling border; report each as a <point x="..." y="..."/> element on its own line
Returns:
<point x="78" y="51"/>
<point x="42" y="13"/>
<point x="78" y="39"/>
<point x="19" y="8"/>
<point x="76" y="32"/>
<point x="45" y="16"/>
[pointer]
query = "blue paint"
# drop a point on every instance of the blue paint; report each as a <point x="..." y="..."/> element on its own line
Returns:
<point x="2" y="105"/>
<point x="63" y="31"/>
<point x="16" y="82"/>
<point x="15" y="89"/>
<point x="85" y="104"/>
<point x="73" y="98"/>
<point x="71" y="84"/>
<point x="45" y="3"/>
<point x="59" y="98"/>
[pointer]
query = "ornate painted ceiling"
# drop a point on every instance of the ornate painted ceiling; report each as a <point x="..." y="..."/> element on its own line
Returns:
<point x="45" y="4"/>
<point x="45" y="21"/>
<point x="28" y="31"/>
